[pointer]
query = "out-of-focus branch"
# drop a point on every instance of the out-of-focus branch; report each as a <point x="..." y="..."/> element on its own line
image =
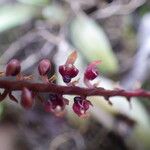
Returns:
<point x="17" y="45"/>
<point x="49" y="37"/>
<point x="117" y="8"/>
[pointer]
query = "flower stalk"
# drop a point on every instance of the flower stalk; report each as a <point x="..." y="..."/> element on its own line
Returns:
<point x="67" y="90"/>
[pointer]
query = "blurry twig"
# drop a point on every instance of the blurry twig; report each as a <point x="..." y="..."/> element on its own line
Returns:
<point x="140" y="71"/>
<point x="49" y="37"/>
<point x="17" y="45"/>
<point x="117" y="8"/>
<point x="35" y="57"/>
<point x="74" y="90"/>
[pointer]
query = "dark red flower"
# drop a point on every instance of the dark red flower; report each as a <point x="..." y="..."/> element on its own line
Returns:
<point x="55" y="101"/>
<point x="44" y="66"/>
<point x="81" y="105"/>
<point x="26" y="98"/>
<point x="13" y="68"/>
<point x="91" y="71"/>
<point x="68" y="70"/>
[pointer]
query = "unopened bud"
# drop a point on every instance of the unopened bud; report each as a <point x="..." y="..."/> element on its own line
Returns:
<point x="13" y="68"/>
<point x="26" y="98"/>
<point x="44" y="67"/>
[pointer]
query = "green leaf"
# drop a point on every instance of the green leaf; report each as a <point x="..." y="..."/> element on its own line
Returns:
<point x="35" y="2"/>
<point x="55" y="14"/>
<point x="91" y="40"/>
<point x="15" y="15"/>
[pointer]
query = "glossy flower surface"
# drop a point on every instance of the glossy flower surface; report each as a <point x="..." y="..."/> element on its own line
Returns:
<point x="81" y="105"/>
<point x="13" y="68"/>
<point x="91" y="71"/>
<point x="44" y="66"/>
<point x="26" y="98"/>
<point x="68" y="70"/>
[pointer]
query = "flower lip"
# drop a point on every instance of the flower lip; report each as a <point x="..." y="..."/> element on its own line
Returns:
<point x="55" y="101"/>
<point x="66" y="79"/>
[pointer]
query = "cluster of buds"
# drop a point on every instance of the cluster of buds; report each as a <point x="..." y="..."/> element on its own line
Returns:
<point x="56" y="102"/>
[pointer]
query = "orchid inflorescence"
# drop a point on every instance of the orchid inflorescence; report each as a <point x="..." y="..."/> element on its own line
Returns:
<point x="56" y="102"/>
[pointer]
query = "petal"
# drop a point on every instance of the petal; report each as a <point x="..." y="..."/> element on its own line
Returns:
<point x="72" y="58"/>
<point x="48" y="106"/>
<point x="93" y="64"/>
<point x="77" y="109"/>
<point x="66" y="101"/>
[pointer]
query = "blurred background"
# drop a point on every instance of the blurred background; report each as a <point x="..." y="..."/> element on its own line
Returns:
<point x="114" y="31"/>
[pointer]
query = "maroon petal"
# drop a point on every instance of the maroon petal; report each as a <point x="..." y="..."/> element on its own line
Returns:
<point x="77" y="109"/>
<point x="91" y="71"/>
<point x="55" y="101"/>
<point x="81" y="105"/>
<point x="86" y="104"/>
<point x="68" y="70"/>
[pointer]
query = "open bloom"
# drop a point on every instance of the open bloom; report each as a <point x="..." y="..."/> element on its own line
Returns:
<point x="56" y="102"/>
<point x="68" y="70"/>
<point x="91" y="73"/>
<point x="81" y="105"/>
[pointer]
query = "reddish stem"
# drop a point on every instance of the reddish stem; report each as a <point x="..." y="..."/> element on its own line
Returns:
<point x="74" y="90"/>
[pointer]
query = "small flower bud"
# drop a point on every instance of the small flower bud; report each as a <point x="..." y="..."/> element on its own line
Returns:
<point x="44" y="67"/>
<point x="91" y="71"/>
<point x="81" y="105"/>
<point x="26" y="98"/>
<point x="13" y="68"/>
